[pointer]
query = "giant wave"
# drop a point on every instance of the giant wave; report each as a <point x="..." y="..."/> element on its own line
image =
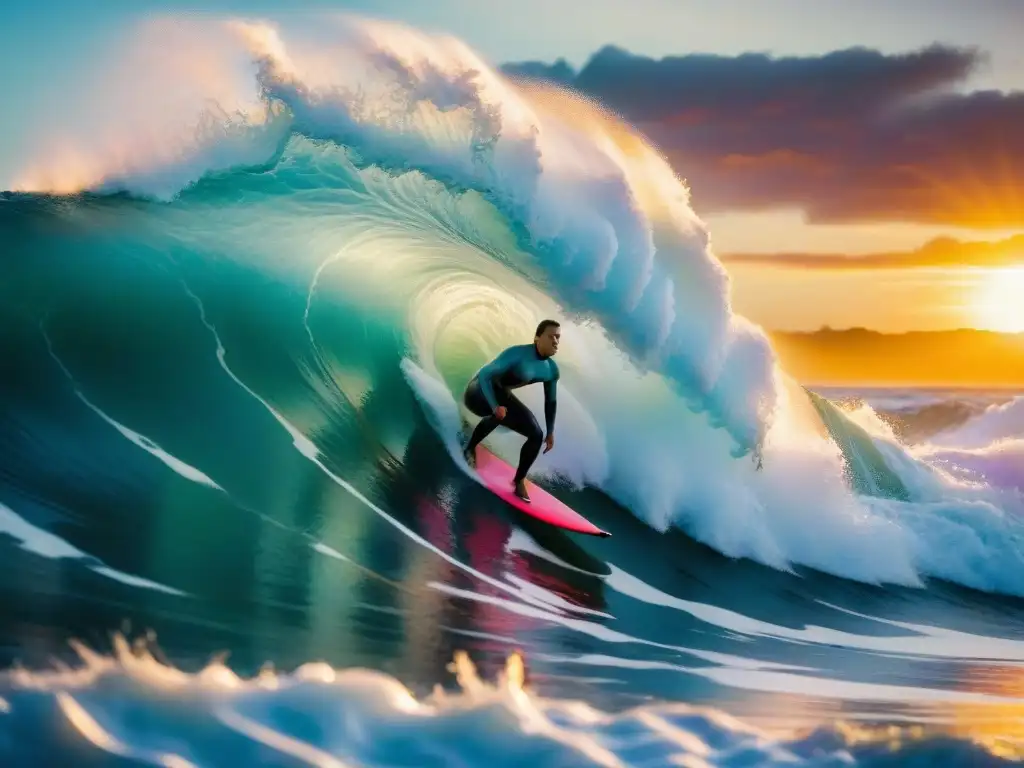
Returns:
<point x="398" y="175"/>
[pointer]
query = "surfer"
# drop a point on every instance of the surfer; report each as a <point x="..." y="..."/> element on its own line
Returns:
<point x="489" y="396"/>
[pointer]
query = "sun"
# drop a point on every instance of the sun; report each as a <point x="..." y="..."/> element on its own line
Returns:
<point x="999" y="303"/>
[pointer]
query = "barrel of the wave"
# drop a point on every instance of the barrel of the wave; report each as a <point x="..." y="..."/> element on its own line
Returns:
<point x="497" y="476"/>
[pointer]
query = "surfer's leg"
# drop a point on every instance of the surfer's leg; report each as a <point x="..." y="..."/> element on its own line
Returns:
<point x="476" y="403"/>
<point x="521" y="419"/>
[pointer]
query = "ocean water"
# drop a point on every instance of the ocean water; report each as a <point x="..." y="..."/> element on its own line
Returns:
<point x="244" y="285"/>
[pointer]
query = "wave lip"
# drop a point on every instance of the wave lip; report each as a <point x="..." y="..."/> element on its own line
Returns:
<point x="175" y="102"/>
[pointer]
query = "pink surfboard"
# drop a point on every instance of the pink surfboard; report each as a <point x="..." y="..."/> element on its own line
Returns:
<point x="497" y="476"/>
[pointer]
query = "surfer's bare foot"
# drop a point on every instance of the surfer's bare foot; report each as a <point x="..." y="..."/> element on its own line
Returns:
<point x="470" y="457"/>
<point x="521" y="491"/>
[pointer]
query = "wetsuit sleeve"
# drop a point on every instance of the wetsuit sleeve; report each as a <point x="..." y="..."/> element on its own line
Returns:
<point x="550" y="402"/>
<point x="493" y="369"/>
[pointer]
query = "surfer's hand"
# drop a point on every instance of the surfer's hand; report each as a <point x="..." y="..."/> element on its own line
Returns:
<point x="499" y="412"/>
<point x="549" y="443"/>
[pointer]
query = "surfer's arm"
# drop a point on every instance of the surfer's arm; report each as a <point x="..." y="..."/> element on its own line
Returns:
<point x="492" y="370"/>
<point x="550" y="403"/>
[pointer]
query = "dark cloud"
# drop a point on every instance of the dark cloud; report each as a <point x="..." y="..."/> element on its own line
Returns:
<point x="941" y="252"/>
<point x="559" y="72"/>
<point x="853" y="135"/>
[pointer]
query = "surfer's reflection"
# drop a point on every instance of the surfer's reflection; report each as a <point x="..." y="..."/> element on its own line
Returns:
<point x="464" y="611"/>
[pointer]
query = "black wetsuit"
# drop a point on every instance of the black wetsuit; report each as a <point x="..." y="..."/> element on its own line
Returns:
<point x="491" y="386"/>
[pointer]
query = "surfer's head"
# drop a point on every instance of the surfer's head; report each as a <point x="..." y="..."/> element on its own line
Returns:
<point x="549" y="332"/>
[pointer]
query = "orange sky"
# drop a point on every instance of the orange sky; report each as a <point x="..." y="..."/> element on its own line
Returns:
<point x="928" y="294"/>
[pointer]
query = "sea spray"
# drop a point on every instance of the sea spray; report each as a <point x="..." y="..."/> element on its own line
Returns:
<point x="134" y="705"/>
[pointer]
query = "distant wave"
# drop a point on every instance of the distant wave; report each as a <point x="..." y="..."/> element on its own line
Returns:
<point x="997" y="423"/>
<point x="988" y="447"/>
<point x="917" y="415"/>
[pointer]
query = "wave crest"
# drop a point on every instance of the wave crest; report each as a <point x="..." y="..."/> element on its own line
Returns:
<point x="177" y="101"/>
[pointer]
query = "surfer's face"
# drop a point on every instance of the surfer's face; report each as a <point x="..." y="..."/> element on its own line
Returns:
<point x="547" y="342"/>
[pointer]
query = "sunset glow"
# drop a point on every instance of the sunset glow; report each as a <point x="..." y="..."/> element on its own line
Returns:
<point x="999" y="304"/>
